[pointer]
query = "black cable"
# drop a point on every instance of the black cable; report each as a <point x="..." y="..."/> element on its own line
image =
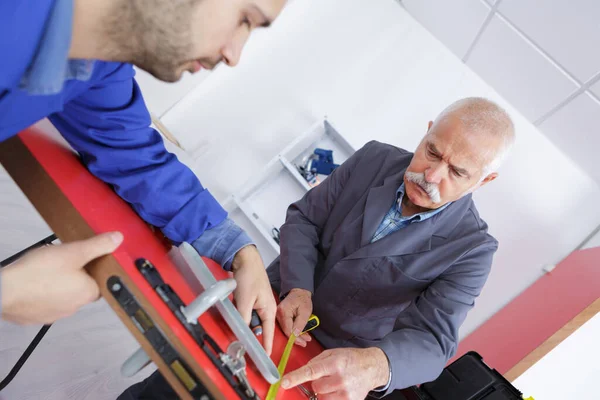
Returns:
<point x="13" y="372"/>
<point x="38" y="338"/>
<point x="20" y="254"/>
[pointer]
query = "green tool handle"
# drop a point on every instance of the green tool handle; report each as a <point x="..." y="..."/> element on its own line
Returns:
<point x="312" y="323"/>
<point x="281" y="367"/>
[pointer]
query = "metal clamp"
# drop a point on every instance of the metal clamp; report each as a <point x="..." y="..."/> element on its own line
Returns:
<point x="234" y="360"/>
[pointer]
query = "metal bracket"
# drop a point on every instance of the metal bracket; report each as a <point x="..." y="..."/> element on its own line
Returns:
<point x="217" y="292"/>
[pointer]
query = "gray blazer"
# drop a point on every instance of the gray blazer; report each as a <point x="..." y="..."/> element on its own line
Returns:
<point x="407" y="293"/>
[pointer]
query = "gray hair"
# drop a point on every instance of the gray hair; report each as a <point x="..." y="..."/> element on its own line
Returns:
<point x="480" y="115"/>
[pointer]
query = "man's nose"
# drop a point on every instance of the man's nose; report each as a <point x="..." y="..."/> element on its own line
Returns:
<point x="232" y="51"/>
<point x="435" y="173"/>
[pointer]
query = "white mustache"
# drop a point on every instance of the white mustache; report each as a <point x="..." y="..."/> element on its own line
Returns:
<point x="431" y="189"/>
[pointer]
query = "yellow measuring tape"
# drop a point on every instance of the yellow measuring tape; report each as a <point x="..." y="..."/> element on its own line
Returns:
<point x="312" y="323"/>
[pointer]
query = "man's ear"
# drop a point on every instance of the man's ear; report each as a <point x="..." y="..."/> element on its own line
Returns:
<point x="429" y="125"/>
<point x="486" y="180"/>
<point x="489" y="178"/>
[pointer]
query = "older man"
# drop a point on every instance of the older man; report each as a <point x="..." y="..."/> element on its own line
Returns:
<point x="390" y="252"/>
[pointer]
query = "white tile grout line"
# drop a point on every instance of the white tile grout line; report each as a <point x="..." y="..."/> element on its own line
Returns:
<point x="482" y="29"/>
<point x="584" y="88"/>
<point x="589" y="91"/>
<point x="538" y="48"/>
<point x="588" y="238"/>
<point x="581" y="86"/>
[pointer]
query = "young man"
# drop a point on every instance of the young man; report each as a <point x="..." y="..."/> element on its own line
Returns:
<point x="71" y="61"/>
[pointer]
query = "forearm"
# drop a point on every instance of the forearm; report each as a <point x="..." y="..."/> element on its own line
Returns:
<point x="381" y="368"/>
<point x="11" y="294"/>
<point x="3" y="294"/>
<point x="108" y="124"/>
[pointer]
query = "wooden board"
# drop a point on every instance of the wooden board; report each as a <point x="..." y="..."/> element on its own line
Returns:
<point x="553" y="341"/>
<point x="76" y="205"/>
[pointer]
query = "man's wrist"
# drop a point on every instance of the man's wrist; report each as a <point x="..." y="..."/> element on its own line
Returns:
<point x="302" y="292"/>
<point x="297" y="291"/>
<point x="381" y="367"/>
<point x="7" y="297"/>
<point x="222" y="242"/>
<point x="241" y="257"/>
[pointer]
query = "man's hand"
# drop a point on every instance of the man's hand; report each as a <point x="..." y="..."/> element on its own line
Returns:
<point x="347" y="374"/>
<point x="254" y="292"/>
<point x="50" y="283"/>
<point x="293" y="314"/>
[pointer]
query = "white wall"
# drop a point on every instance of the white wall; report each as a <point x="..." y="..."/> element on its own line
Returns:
<point x="542" y="56"/>
<point x="160" y="96"/>
<point x="377" y="74"/>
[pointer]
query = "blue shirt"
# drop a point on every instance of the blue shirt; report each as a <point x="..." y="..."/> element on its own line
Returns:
<point x="99" y="109"/>
<point x="394" y="221"/>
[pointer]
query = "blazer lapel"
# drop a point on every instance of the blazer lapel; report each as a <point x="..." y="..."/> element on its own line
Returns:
<point x="379" y="201"/>
<point x="414" y="238"/>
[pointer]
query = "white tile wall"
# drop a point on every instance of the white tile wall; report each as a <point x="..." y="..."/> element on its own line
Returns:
<point x="575" y="130"/>
<point x="455" y="23"/>
<point x="541" y="55"/>
<point x="519" y="71"/>
<point x="567" y="30"/>
<point x="596" y="89"/>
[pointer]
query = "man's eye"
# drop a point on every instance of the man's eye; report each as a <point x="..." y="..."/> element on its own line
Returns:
<point x="432" y="154"/>
<point x="246" y="21"/>
<point x="456" y="173"/>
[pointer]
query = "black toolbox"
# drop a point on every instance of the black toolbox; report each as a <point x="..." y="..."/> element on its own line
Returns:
<point x="467" y="378"/>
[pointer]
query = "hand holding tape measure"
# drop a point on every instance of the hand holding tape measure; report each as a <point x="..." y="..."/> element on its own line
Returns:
<point x="312" y="323"/>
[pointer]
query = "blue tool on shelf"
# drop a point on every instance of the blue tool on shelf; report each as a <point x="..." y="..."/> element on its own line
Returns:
<point x="323" y="163"/>
<point x="318" y="163"/>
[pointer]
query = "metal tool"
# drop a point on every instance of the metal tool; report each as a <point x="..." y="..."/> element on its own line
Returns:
<point x="191" y="266"/>
<point x="235" y="361"/>
<point x="231" y="364"/>
<point x="312" y="323"/>
<point x="310" y="394"/>
<point x="211" y="296"/>
<point x="319" y="162"/>
<point x="256" y="323"/>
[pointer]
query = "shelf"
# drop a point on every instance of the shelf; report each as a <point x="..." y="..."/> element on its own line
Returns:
<point x="329" y="139"/>
<point x="261" y="203"/>
<point x="295" y="173"/>
<point x="258" y="223"/>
